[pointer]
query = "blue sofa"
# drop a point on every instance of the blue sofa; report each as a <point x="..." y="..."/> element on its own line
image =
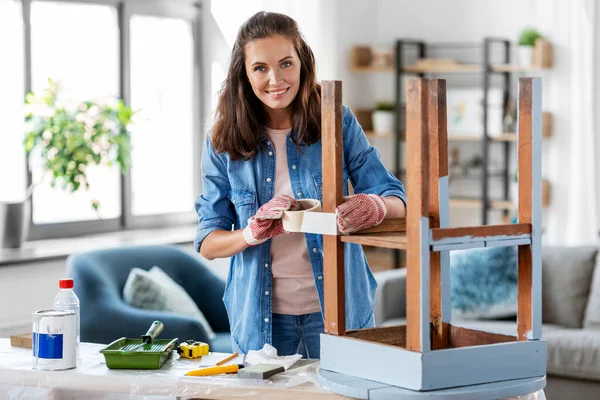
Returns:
<point x="100" y="276"/>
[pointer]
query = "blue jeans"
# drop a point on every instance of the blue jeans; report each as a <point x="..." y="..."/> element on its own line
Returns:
<point x="298" y="334"/>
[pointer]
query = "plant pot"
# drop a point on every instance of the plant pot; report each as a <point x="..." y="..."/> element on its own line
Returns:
<point x="14" y="224"/>
<point x="525" y="56"/>
<point x="383" y="122"/>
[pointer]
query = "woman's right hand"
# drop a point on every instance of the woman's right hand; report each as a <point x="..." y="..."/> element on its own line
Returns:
<point x="266" y="223"/>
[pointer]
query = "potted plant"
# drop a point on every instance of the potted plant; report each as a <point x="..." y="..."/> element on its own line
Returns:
<point x="67" y="139"/>
<point x="526" y="44"/>
<point x="384" y="118"/>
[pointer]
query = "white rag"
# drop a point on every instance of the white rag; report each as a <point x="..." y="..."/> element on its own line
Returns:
<point x="268" y="355"/>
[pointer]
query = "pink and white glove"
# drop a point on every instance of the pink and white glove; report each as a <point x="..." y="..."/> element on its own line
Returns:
<point x="266" y="223"/>
<point x="359" y="212"/>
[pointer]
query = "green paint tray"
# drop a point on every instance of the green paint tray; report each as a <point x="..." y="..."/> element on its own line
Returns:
<point x="125" y="353"/>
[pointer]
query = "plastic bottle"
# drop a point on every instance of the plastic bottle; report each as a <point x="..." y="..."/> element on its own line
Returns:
<point x="66" y="299"/>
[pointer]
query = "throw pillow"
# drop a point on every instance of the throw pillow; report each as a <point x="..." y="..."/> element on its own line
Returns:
<point x="156" y="290"/>
<point x="592" y="311"/>
<point x="566" y="277"/>
<point x="483" y="283"/>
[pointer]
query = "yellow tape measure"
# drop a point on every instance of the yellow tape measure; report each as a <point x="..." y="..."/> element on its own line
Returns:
<point x="192" y="349"/>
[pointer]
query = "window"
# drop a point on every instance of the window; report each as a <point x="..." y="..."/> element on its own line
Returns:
<point x="78" y="46"/>
<point x="162" y="139"/>
<point x="13" y="176"/>
<point x="143" y="52"/>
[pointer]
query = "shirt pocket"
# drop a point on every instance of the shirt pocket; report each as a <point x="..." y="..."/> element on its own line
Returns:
<point x="244" y="202"/>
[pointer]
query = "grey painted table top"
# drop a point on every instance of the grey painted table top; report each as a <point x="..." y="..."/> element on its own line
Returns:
<point x="363" y="389"/>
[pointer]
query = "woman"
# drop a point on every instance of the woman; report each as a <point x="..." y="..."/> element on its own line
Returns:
<point x="263" y="153"/>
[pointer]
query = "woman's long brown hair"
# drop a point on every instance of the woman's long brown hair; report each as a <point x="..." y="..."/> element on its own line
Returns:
<point x="239" y="118"/>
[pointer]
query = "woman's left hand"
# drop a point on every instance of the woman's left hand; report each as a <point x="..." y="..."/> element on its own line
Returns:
<point x="360" y="211"/>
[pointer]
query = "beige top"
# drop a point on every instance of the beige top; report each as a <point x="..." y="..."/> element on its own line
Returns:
<point x="294" y="291"/>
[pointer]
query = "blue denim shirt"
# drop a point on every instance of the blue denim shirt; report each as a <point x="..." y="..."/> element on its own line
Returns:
<point x="232" y="192"/>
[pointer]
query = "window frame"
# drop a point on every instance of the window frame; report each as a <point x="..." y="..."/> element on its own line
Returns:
<point x="181" y="9"/>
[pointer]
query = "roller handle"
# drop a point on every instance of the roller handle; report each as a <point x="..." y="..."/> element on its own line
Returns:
<point x="155" y="329"/>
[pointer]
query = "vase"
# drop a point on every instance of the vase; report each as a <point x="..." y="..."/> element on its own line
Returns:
<point x="383" y="122"/>
<point x="14" y="223"/>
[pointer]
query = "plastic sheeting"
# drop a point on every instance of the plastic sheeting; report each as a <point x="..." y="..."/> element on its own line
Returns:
<point x="94" y="381"/>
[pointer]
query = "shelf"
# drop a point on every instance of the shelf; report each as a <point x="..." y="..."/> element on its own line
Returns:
<point x="516" y="68"/>
<point x="440" y="69"/>
<point x="477" y="203"/>
<point x="372" y="134"/>
<point x="503" y="137"/>
<point x="389" y="240"/>
<point x="449" y="69"/>
<point x="367" y="68"/>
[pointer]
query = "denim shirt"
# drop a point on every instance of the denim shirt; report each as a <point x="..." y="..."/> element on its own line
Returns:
<point x="232" y="192"/>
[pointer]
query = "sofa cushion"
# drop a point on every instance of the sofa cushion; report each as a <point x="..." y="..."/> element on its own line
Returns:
<point x="483" y="283"/>
<point x="156" y="290"/>
<point x="592" y="312"/>
<point x="566" y="277"/>
<point x="574" y="353"/>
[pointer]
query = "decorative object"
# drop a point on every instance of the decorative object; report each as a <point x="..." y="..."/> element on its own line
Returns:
<point x="542" y="54"/>
<point x="465" y="112"/>
<point x="69" y="138"/>
<point x="382" y="57"/>
<point x="364" y="116"/>
<point x="527" y="41"/>
<point x="472" y="163"/>
<point x="384" y="118"/>
<point x="14" y="223"/>
<point x="476" y="295"/>
<point x="361" y="57"/>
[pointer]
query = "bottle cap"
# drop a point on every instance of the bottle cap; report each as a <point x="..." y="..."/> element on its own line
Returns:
<point x="66" y="283"/>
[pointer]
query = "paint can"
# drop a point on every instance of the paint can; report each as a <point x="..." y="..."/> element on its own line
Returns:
<point x="54" y="340"/>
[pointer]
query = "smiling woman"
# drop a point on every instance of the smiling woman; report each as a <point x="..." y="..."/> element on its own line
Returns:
<point x="261" y="157"/>
<point x="273" y="69"/>
<point x="269" y="55"/>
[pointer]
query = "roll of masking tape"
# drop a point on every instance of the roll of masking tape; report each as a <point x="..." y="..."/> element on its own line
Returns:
<point x="292" y="220"/>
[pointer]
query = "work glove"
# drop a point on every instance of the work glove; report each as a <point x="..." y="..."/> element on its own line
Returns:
<point x="266" y="223"/>
<point x="359" y="212"/>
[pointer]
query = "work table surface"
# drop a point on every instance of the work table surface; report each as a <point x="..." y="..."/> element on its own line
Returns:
<point x="92" y="378"/>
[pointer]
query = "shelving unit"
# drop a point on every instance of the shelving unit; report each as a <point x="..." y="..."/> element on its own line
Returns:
<point x="487" y="68"/>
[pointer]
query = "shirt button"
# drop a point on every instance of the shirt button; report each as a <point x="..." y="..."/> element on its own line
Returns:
<point x="266" y="319"/>
<point x="270" y="153"/>
<point x="314" y="249"/>
<point x="320" y="277"/>
<point x="293" y="166"/>
<point x="268" y="179"/>
<point x="299" y="194"/>
<point x="266" y="265"/>
<point x="267" y="292"/>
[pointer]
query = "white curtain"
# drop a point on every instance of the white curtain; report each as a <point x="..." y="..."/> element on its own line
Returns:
<point x="569" y="156"/>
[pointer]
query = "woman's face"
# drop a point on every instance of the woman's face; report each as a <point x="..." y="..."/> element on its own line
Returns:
<point x="273" y="68"/>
